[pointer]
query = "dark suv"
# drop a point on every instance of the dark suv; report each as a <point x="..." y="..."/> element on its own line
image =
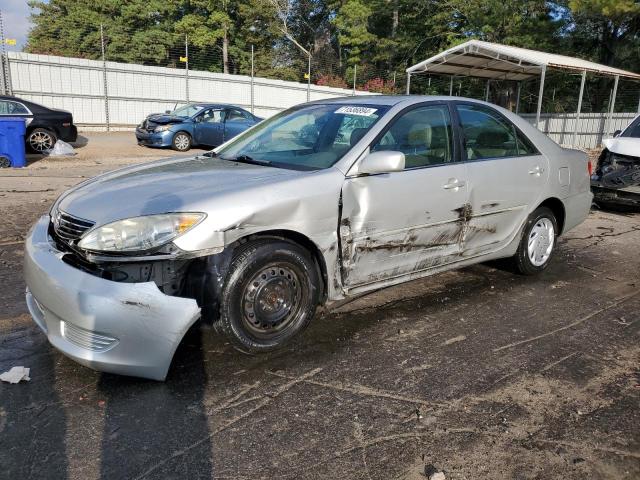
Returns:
<point x="44" y="125"/>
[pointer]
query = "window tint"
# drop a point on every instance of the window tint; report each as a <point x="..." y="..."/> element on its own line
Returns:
<point x="237" y="116"/>
<point x="632" y="130"/>
<point x="488" y="135"/>
<point x="12" y="108"/>
<point x="423" y="134"/>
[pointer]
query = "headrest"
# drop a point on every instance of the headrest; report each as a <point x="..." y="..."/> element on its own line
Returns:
<point x="356" y="135"/>
<point x="492" y="138"/>
<point x="419" y="134"/>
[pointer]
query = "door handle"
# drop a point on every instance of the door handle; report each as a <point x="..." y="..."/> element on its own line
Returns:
<point x="453" y="184"/>
<point x="537" y="170"/>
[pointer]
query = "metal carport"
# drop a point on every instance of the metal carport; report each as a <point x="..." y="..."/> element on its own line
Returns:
<point x="494" y="61"/>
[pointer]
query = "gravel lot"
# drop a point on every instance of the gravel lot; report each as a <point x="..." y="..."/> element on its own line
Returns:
<point x="479" y="372"/>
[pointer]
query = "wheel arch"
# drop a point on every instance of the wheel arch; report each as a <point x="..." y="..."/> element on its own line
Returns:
<point x="299" y="239"/>
<point x="557" y="207"/>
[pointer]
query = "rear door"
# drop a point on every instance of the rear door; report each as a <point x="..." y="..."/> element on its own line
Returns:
<point x="402" y="223"/>
<point x="209" y="127"/>
<point x="506" y="177"/>
<point x="236" y="121"/>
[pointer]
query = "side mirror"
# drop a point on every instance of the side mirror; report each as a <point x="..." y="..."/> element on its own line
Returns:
<point x="385" y="161"/>
<point x="617" y="133"/>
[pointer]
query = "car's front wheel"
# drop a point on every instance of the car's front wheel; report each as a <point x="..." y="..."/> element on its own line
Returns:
<point x="181" y="142"/>
<point x="39" y="140"/>
<point x="537" y="243"/>
<point x="270" y="295"/>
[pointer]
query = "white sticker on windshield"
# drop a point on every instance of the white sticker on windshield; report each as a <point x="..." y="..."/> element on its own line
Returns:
<point x="362" y="111"/>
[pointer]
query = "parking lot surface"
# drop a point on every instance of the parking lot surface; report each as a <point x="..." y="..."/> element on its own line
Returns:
<point x="480" y="373"/>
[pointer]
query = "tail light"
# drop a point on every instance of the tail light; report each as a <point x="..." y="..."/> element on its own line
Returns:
<point x="589" y="167"/>
<point x="66" y="124"/>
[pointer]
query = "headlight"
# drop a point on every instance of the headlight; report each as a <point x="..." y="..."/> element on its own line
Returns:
<point x="162" y="128"/>
<point x="139" y="233"/>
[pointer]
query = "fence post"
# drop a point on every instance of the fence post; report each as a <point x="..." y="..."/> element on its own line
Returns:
<point x="309" y="77"/>
<point x="613" y="103"/>
<point x="408" y="83"/>
<point x="355" y="69"/>
<point x="104" y="79"/>
<point x="186" y="68"/>
<point x="252" y="73"/>
<point x="451" y="86"/>
<point x="5" y="73"/>
<point x="518" y="97"/>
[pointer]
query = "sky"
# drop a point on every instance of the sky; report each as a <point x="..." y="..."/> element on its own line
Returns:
<point x="15" y="16"/>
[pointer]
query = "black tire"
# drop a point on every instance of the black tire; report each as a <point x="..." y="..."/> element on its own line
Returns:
<point x="181" y="142"/>
<point x="270" y="295"/>
<point x="539" y="221"/>
<point x="40" y="139"/>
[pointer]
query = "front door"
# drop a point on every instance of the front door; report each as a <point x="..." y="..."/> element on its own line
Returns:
<point x="402" y="223"/>
<point x="209" y="127"/>
<point x="506" y="177"/>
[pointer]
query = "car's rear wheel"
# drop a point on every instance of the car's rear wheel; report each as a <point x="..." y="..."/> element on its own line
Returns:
<point x="269" y="296"/>
<point x="181" y="141"/>
<point x="537" y="243"/>
<point x="39" y="140"/>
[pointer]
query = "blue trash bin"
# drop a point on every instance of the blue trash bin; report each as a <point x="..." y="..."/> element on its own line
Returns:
<point x="12" y="130"/>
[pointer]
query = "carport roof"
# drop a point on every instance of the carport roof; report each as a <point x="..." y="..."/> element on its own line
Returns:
<point x="476" y="58"/>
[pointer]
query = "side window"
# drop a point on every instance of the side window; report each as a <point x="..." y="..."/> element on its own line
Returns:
<point x="12" y="108"/>
<point x="212" y="116"/>
<point x="488" y="135"/>
<point x="236" y="116"/>
<point x="423" y="134"/>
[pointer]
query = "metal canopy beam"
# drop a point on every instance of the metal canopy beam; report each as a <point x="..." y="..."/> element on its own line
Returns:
<point x="575" y="130"/>
<point x="540" y="93"/>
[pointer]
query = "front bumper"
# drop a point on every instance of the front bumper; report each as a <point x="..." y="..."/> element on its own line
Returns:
<point x="152" y="139"/>
<point x="124" y="328"/>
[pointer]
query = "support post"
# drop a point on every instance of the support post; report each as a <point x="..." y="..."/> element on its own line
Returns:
<point x="104" y="79"/>
<point x="518" y="97"/>
<point x="639" y="105"/>
<point x="486" y="93"/>
<point x="355" y="70"/>
<point x="252" y="75"/>
<point x="408" y="83"/>
<point x="575" y="130"/>
<point x="451" y="86"/>
<point x="186" y="67"/>
<point x="613" y="103"/>
<point x="540" y="94"/>
<point x="309" y="77"/>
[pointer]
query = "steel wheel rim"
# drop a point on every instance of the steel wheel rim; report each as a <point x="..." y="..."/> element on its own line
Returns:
<point x="182" y="142"/>
<point x="271" y="301"/>
<point x="40" y="141"/>
<point x="541" y="240"/>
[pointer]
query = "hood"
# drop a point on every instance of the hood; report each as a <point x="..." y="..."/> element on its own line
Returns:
<point x="172" y="185"/>
<point x="629" y="146"/>
<point x="163" y="119"/>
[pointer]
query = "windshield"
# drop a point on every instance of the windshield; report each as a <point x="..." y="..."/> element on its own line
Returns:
<point x="310" y="137"/>
<point x="186" y="110"/>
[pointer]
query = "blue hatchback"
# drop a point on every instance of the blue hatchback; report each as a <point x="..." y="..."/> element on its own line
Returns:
<point x="207" y="124"/>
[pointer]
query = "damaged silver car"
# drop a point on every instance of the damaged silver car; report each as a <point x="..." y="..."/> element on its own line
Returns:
<point x="324" y="201"/>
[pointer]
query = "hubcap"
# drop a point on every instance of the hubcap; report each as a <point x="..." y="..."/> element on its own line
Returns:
<point x="541" y="241"/>
<point x="182" y="142"/>
<point x="271" y="301"/>
<point x="40" y="141"/>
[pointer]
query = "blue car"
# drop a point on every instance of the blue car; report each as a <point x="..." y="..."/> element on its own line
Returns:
<point x="206" y="124"/>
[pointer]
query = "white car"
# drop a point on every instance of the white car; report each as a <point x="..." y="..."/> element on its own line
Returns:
<point x="617" y="177"/>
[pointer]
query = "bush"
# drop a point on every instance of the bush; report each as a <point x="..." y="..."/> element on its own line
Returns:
<point x="331" y="81"/>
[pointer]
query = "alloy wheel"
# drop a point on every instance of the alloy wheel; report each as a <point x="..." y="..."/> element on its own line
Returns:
<point x="40" y="141"/>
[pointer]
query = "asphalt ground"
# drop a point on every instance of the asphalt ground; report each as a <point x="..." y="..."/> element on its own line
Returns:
<point x="479" y="373"/>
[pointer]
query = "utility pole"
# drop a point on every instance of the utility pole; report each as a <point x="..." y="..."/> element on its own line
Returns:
<point x="252" y="73"/>
<point x="5" y="73"/>
<point x="186" y="68"/>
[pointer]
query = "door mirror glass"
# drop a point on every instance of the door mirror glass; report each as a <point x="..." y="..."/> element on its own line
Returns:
<point x="386" y="161"/>
<point x="617" y="133"/>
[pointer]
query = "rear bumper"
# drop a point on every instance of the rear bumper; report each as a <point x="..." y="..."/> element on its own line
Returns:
<point x="124" y="328"/>
<point x="624" y="197"/>
<point x="160" y="139"/>
<point x="69" y="134"/>
<point x="577" y="209"/>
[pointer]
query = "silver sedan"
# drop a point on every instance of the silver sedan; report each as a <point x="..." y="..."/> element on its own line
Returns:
<point x="324" y="201"/>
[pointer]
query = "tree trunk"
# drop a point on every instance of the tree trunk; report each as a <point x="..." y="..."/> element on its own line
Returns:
<point x="395" y="19"/>
<point x="225" y="52"/>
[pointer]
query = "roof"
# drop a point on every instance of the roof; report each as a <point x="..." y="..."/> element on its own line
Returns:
<point x="476" y="58"/>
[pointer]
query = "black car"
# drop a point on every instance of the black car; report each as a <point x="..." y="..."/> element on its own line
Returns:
<point x="44" y="125"/>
